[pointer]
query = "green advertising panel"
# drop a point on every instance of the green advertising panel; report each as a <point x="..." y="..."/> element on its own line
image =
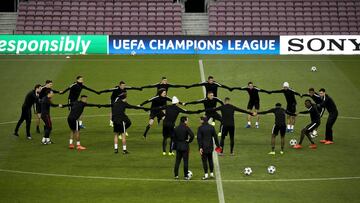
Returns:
<point x="53" y="44"/>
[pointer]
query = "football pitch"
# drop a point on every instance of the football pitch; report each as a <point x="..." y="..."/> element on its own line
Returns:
<point x="31" y="172"/>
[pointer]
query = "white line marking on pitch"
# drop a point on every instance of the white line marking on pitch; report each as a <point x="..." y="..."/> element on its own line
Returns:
<point x="143" y="114"/>
<point x="219" y="186"/>
<point x="172" y="180"/>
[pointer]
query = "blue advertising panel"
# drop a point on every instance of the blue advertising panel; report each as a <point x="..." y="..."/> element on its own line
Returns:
<point x="193" y="45"/>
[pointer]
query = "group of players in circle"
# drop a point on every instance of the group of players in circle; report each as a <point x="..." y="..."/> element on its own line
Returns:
<point x="180" y="136"/>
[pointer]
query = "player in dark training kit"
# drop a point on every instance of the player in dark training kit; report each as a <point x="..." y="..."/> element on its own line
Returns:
<point x="210" y="86"/>
<point x="210" y="103"/>
<point x="315" y="123"/>
<point x="43" y="93"/>
<point x="118" y="91"/>
<point x="163" y="84"/>
<point x="316" y="98"/>
<point x="158" y="101"/>
<point x="205" y="135"/>
<point x="279" y="126"/>
<point x="182" y="138"/>
<point x="254" y="101"/>
<point x="228" y="122"/>
<point x="171" y="113"/>
<point x="121" y="120"/>
<point x="291" y="104"/>
<point x="77" y="109"/>
<point x="329" y="104"/>
<point x="75" y="91"/>
<point x="46" y="103"/>
<point x="30" y="99"/>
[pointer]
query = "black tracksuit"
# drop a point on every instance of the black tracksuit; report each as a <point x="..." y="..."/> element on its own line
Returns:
<point x="329" y="104"/>
<point x="77" y="109"/>
<point x="318" y="100"/>
<point x="45" y="115"/>
<point x="30" y="99"/>
<point x="290" y="98"/>
<point x="280" y="119"/>
<point x="210" y="87"/>
<point x="254" y="99"/>
<point x="120" y="119"/>
<point x="228" y="123"/>
<point x="171" y="114"/>
<point x="43" y="93"/>
<point x="117" y="92"/>
<point x="315" y="122"/>
<point x="157" y="101"/>
<point x="182" y="137"/>
<point x="209" y="106"/>
<point x="75" y="91"/>
<point x="159" y="86"/>
<point x="205" y="135"/>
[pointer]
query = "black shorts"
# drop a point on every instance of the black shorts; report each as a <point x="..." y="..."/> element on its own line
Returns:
<point x="214" y="115"/>
<point x="291" y="108"/>
<point x="38" y="107"/>
<point x="73" y="124"/>
<point x="277" y="128"/>
<point x="168" y="130"/>
<point x="312" y="126"/>
<point x="121" y="126"/>
<point x="252" y="104"/>
<point x="157" y="114"/>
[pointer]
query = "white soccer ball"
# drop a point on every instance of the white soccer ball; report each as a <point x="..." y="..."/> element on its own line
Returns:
<point x="190" y="174"/>
<point x="271" y="169"/>
<point x="313" y="134"/>
<point x="133" y="53"/>
<point x="293" y="142"/>
<point x="313" y="69"/>
<point x="247" y="171"/>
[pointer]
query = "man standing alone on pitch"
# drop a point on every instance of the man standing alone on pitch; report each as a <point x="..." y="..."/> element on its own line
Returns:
<point x="329" y="104"/>
<point x="205" y="135"/>
<point x="291" y="104"/>
<point x="182" y="137"/>
<point x="30" y="99"/>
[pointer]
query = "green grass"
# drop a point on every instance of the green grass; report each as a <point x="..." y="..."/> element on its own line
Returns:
<point x="18" y="74"/>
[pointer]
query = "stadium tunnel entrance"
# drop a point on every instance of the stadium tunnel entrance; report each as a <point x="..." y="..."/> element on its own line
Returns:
<point x="195" y="6"/>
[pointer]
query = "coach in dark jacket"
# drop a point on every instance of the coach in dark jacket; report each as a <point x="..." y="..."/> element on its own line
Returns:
<point x="205" y="135"/>
<point x="182" y="137"/>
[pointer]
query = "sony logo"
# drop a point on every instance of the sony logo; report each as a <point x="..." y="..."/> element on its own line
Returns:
<point x="320" y="43"/>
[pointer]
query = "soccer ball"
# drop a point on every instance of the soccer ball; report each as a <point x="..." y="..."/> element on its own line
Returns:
<point x="271" y="169"/>
<point x="133" y="53"/>
<point x="313" y="69"/>
<point x="313" y="134"/>
<point x="293" y="142"/>
<point x="190" y="174"/>
<point x="247" y="171"/>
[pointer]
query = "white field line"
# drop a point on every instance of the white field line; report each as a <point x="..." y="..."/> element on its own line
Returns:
<point x="172" y="180"/>
<point x="219" y="186"/>
<point x="144" y="114"/>
<point x="175" y="59"/>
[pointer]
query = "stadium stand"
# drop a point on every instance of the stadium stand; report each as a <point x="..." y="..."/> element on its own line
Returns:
<point x="284" y="17"/>
<point x="163" y="17"/>
<point x="113" y="17"/>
